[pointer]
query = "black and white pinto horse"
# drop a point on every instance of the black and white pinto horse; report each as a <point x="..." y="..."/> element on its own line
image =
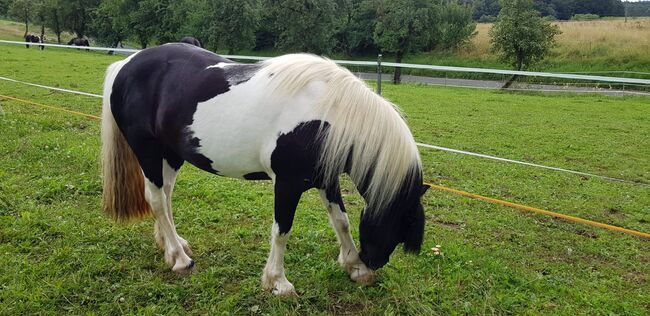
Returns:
<point x="191" y="40"/>
<point x="298" y="120"/>
<point x="31" y="38"/>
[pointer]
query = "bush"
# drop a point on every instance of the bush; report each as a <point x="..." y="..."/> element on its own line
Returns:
<point x="585" y="17"/>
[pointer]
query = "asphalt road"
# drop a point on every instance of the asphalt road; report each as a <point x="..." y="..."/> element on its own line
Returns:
<point x="492" y="84"/>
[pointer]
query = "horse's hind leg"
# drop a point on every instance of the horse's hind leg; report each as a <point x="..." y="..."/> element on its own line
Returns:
<point x="151" y="160"/>
<point x="348" y="256"/>
<point x="171" y="166"/>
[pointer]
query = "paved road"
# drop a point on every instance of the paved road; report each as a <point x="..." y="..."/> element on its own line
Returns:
<point x="491" y="84"/>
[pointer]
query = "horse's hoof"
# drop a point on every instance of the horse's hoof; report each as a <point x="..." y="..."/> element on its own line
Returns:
<point x="284" y="289"/>
<point x="362" y="275"/>
<point x="184" y="270"/>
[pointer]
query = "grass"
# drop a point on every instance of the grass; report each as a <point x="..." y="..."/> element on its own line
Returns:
<point x="61" y="255"/>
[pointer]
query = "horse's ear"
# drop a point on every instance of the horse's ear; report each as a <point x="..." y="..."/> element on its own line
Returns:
<point x="424" y="189"/>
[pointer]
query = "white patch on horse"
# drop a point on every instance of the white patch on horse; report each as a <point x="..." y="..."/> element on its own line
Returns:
<point x="221" y="65"/>
<point x="348" y="255"/>
<point x="169" y="179"/>
<point x="175" y="256"/>
<point x="273" y="277"/>
<point x="238" y="129"/>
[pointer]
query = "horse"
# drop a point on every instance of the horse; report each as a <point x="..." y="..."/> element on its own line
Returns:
<point x="79" y="42"/>
<point x="298" y="120"/>
<point x="191" y="40"/>
<point x="30" y="38"/>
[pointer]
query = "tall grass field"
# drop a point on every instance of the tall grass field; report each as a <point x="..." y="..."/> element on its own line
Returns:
<point x="59" y="254"/>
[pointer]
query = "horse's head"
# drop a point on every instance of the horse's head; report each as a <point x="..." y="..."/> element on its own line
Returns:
<point x="380" y="231"/>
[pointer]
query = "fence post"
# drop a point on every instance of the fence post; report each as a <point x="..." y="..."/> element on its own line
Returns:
<point x="379" y="74"/>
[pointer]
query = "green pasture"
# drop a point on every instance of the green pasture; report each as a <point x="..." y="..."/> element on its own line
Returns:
<point x="59" y="254"/>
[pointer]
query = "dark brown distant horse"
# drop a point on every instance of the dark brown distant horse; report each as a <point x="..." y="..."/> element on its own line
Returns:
<point x="31" y="38"/>
<point x="79" y="42"/>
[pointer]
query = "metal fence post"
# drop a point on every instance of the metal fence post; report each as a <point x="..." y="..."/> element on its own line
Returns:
<point x="379" y="74"/>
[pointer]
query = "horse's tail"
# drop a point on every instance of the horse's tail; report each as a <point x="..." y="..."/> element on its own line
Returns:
<point x="123" y="186"/>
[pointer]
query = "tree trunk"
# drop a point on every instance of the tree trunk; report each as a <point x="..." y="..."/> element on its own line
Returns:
<point x="513" y="78"/>
<point x="57" y="28"/>
<point x="397" y="76"/>
<point x="26" y="28"/>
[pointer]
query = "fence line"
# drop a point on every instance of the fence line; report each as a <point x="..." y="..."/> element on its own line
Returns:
<point x="401" y="65"/>
<point x="51" y="88"/>
<point x="520" y="207"/>
<point x="457" y="151"/>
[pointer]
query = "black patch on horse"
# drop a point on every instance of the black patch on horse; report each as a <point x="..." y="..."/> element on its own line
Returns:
<point x="260" y="175"/>
<point x="295" y="164"/>
<point x="155" y="96"/>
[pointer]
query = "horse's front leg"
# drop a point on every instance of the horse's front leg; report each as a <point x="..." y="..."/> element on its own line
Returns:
<point x="348" y="256"/>
<point x="287" y="195"/>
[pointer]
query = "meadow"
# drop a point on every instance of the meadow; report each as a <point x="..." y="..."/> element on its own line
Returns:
<point x="60" y="254"/>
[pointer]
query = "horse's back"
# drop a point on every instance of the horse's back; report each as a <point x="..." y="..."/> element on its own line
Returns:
<point x="214" y="113"/>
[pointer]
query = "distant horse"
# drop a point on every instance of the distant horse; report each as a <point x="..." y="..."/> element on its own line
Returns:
<point x="79" y="42"/>
<point x="191" y="40"/>
<point x="31" y="38"/>
<point x="298" y="120"/>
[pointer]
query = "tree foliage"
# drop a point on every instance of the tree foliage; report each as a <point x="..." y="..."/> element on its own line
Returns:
<point x="4" y="7"/>
<point x="77" y="15"/>
<point x="305" y="25"/>
<point x="637" y="8"/>
<point x="520" y="36"/>
<point x="403" y="27"/>
<point x="406" y="26"/>
<point x="319" y="26"/>
<point x="560" y="9"/>
<point x="110" y="23"/>
<point x="23" y="11"/>
<point x="235" y="22"/>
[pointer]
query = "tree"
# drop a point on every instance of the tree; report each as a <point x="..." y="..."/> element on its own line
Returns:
<point x="355" y="27"/>
<point x="305" y="25"/>
<point x="54" y="17"/>
<point x="520" y="36"/>
<point x="454" y="25"/>
<point x="76" y="15"/>
<point x="110" y="23"/>
<point x="143" y="21"/>
<point x="22" y="10"/>
<point x="403" y="26"/>
<point x="236" y="22"/>
<point x="4" y="7"/>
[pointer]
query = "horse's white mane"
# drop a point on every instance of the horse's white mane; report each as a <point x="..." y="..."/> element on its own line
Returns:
<point x="361" y="121"/>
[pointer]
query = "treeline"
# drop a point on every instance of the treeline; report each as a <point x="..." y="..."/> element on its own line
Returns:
<point x="485" y="10"/>
<point x="319" y="26"/>
<point x="638" y="8"/>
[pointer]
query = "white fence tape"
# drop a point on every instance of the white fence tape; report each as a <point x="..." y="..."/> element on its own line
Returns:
<point x="419" y="144"/>
<point x="402" y="65"/>
<point x="51" y="88"/>
<point x="525" y="163"/>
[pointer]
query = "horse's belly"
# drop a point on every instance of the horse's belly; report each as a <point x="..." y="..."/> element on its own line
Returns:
<point x="231" y="140"/>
